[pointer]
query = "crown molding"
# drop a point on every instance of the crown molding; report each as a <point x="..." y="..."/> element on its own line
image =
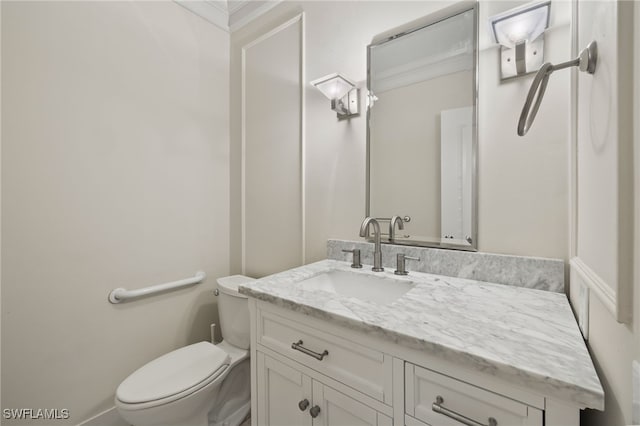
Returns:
<point x="213" y="11"/>
<point x="241" y="12"/>
<point x="229" y="15"/>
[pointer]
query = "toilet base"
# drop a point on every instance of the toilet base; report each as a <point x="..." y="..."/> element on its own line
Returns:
<point x="236" y="418"/>
<point x="234" y="398"/>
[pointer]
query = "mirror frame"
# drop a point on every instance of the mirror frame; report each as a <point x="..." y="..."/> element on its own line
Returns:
<point x="411" y="27"/>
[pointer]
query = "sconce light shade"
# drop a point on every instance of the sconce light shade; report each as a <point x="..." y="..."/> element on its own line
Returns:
<point x="341" y="92"/>
<point x="519" y="32"/>
<point x="517" y="25"/>
<point x="333" y="86"/>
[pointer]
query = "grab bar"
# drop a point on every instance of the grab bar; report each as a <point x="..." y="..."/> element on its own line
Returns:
<point x="586" y="62"/>
<point x="120" y="294"/>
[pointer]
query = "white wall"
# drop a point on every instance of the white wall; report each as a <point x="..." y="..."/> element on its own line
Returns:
<point x="523" y="182"/>
<point x="114" y="173"/>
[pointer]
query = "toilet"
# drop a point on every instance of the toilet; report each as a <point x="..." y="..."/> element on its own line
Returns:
<point x="201" y="384"/>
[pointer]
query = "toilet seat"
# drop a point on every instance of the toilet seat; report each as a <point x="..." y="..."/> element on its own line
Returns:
<point x="173" y="376"/>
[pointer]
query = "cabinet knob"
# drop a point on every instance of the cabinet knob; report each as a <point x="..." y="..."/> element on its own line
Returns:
<point x="302" y="405"/>
<point x="314" y="411"/>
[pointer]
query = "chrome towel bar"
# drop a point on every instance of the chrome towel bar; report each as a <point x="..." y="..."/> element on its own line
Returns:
<point x="586" y="62"/>
<point x="120" y="294"/>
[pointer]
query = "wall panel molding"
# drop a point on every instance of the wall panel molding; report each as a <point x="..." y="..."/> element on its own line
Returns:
<point x="600" y="287"/>
<point x="602" y="171"/>
<point x="299" y="117"/>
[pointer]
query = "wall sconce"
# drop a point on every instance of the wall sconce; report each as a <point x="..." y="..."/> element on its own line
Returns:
<point x="520" y="31"/>
<point x="341" y="92"/>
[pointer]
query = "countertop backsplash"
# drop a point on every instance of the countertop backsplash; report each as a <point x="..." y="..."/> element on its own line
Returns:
<point x="529" y="272"/>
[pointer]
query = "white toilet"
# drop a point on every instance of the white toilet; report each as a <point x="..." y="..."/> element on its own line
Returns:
<point x="200" y="384"/>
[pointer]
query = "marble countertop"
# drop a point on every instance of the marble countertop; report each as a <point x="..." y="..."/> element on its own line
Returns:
<point x="527" y="337"/>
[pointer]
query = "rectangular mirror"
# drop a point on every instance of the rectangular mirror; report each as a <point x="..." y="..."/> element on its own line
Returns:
<point x="421" y="130"/>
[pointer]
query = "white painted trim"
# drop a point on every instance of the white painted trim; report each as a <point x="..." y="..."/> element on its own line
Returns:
<point x="263" y="37"/>
<point x="398" y="389"/>
<point x="303" y="140"/>
<point x="233" y="7"/>
<point x="228" y="16"/>
<point x="241" y="16"/>
<point x="604" y="291"/>
<point x="573" y="138"/>
<point x="109" y="416"/>
<point x="616" y="298"/>
<point x="243" y="188"/>
<point x="273" y="32"/>
<point x="209" y="11"/>
<point x="253" y="360"/>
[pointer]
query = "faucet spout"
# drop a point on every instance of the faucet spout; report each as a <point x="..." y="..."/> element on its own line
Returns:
<point x="364" y="228"/>
<point x="392" y="226"/>
<point x="377" y="252"/>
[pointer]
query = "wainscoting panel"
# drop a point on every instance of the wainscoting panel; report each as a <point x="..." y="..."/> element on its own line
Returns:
<point x="272" y="150"/>
<point x="604" y="176"/>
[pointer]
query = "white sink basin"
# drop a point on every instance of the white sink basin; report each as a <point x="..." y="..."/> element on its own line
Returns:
<point x="381" y="290"/>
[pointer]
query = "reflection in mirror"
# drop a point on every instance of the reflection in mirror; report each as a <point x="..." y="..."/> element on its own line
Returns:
<point x="422" y="132"/>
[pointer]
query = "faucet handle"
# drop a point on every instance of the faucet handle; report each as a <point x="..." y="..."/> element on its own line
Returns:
<point x="401" y="267"/>
<point x="356" y="257"/>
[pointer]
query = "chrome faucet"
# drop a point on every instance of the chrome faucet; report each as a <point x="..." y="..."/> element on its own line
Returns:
<point x="392" y="226"/>
<point x="377" y="252"/>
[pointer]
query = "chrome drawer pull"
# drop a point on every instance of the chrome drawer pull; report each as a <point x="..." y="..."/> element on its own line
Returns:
<point x="438" y="408"/>
<point x="298" y="347"/>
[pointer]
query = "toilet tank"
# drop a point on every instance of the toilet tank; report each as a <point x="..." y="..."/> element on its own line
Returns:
<point x="234" y="311"/>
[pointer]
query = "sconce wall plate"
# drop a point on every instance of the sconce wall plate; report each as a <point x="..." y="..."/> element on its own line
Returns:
<point x="514" y="65"/>
<point x="348" y="105"/>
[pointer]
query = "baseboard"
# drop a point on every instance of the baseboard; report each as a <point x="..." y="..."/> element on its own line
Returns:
<point x="109" y="417"/>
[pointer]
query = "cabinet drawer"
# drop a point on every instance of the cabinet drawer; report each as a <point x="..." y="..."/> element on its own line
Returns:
<point x="364" y="369"/>
<point x="437" y="399"/>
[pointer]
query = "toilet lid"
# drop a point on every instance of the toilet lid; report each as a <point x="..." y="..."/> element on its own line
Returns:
<point x="173" y="373"/>
<point x="229" y="285"/>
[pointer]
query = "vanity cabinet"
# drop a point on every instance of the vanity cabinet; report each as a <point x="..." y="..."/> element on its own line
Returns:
<point x="286" y="396"/>
<point x="302" y="365"/>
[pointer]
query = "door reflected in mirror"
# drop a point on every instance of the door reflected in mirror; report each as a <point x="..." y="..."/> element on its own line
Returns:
<point x="421" y="135"/>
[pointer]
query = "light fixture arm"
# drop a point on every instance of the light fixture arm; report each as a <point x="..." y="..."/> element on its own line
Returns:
<point x="586" y="62"/>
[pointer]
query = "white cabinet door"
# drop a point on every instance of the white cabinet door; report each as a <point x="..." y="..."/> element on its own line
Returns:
<point x="338" y="409"/>
<point x="280" y="389"/>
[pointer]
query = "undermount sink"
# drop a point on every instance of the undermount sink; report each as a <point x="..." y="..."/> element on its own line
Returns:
<point x="380" y="290"/>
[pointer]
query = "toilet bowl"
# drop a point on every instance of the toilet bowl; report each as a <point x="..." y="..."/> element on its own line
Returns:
<point x="198" y="385"/>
